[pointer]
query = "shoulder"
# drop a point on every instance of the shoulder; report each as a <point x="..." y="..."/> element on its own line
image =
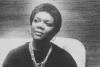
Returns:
<point x="64" y="56"/>
<point x="19" y="51"/>
<point x="15" y="56"/>
<point x="61" y="52"/>
<point x="20" y="48"/>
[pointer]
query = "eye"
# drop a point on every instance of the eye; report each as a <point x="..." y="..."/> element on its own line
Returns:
<point x="35" y="20"/>
<point x="49" y="24"/>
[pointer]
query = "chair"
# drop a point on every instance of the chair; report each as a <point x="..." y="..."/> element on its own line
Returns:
<point x="74" y="47"/>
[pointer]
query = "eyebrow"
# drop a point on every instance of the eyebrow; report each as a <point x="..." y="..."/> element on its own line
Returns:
<point x="37" y="18"/>
<point x="40" y="19"/>
<point x="46" y="20"/>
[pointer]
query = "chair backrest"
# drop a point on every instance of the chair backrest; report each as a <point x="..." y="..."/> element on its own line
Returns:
<point x="74" y="47"/>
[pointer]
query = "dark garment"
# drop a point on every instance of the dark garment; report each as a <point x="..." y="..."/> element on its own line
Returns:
<point x="40" y="55"/>
<point x="20" y="57"/>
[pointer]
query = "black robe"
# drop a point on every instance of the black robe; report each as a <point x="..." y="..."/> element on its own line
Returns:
<point x="20" y="57"/>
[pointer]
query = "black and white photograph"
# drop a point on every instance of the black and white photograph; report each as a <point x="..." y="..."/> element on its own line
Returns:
<point x="49" y="33"/>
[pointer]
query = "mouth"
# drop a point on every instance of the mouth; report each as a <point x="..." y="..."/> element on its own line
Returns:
<point x="39" y="33"/>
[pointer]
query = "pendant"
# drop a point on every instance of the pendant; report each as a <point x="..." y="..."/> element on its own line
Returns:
<point x="39" y="65"/>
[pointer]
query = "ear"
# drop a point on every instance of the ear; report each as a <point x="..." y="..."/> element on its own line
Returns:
<point x="53" y="38"/>
<point x="29" y="29"/>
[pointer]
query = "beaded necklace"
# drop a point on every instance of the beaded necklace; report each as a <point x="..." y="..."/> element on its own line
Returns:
<point x="33" y="57"/>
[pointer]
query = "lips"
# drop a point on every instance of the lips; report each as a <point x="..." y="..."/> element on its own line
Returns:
<point x="38" y="33"/>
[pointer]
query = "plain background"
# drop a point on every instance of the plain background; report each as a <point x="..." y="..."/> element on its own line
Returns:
<point x="81" y="20"/>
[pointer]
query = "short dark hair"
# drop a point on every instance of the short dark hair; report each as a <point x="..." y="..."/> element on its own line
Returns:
<point x="52" y="10"/>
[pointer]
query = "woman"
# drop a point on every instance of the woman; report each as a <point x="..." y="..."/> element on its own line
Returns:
<point x="45" y="22"/>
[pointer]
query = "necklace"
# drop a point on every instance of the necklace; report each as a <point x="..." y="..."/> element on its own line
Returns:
<point x="33" y="58"/>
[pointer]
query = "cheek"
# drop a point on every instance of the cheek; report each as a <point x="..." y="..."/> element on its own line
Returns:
<point x="33" y="26"/>
<point x="50" y="30"/>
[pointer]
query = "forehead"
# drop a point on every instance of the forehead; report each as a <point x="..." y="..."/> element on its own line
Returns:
<point x="44" y="16"/>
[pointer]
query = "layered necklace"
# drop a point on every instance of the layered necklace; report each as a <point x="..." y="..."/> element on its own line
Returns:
<point x="33" y="57"/>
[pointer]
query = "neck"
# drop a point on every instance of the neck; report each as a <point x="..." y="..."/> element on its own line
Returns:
<point x="41" y="45"/>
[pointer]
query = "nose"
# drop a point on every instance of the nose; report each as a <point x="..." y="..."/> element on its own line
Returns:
<point x="41" y="26"/>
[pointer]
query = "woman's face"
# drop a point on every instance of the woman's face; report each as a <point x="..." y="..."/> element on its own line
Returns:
<point x="42" y="26"/>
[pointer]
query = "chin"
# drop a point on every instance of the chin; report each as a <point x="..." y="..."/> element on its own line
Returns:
<point x="40" y="38"/>
<point x="37" y="38"/>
